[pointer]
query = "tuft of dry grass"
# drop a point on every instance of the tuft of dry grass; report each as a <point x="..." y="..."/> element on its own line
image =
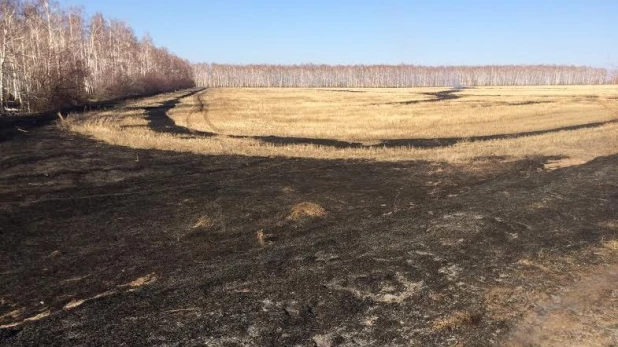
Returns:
<point x="12" y="314"/>
<point x="34" y="318"/>
<point x="203" y="222"/>
<point x="306" y="209"/>
<point x="260" y="237"/>
<point x="73" y="304"/>
<point x="611" y="245"/>
<point x="454" y="320"/>
<point x="141" y="281"/>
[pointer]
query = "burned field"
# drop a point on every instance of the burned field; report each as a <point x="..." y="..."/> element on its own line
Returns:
<point x="109" y="244"/>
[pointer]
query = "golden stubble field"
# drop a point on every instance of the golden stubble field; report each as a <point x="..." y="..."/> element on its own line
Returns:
<point x="573" y="124"/>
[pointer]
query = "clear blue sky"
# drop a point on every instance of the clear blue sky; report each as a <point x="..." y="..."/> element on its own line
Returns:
<point x="441" y="32"/>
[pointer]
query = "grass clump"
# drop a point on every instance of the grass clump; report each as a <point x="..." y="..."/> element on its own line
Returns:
<point x="306" y="210"/>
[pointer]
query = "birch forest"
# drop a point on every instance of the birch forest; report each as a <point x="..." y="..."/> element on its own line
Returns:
<point x="51" y="57"/>
<point x="393" y="76"/>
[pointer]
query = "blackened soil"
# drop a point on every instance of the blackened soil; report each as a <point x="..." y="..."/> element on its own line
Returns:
<point x="450" y="141"/>
<point x="105" y="245"/>
<point x="159" y="121"/>
<point x="437" y="97"/>
<point x="436" y="142"/>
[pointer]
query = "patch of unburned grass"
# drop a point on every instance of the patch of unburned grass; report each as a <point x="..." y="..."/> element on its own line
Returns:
<point x="455" y="320"/>
<point x="398" y="113"/>
<point x="306" y="209"/>
<point x="611" y="245"/>
<point x="203" y="222"/>
<point x="141" y="281"/>
<point x="236" y="116"/>
<point x="73" y="304"/>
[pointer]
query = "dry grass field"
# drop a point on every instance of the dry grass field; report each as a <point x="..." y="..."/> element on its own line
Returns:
<point x="571" y="123"/>
<point x="371" y="115"/>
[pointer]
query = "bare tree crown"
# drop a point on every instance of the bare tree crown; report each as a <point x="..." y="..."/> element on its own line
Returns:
<point x="51" y="57"/>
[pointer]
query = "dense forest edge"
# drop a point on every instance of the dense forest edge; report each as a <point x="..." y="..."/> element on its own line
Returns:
<point x="54" y="58"/>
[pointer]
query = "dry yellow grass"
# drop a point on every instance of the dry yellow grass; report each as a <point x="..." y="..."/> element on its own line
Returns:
<point x="369" y="116"/>
<point x="306" y="209"/>
<point x="611" y="245"/>
<point x="454" y="320"/>
<point x="203" y="222"/>
<point x="141" y="281"/>
<point x="611" y="224"/>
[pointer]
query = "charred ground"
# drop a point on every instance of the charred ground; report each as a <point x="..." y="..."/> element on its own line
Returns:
<point x="103" y="244"/>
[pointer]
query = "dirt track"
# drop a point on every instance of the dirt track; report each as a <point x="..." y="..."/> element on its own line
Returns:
<point x="102" y="245"/>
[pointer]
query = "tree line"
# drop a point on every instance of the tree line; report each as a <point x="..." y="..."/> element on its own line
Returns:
<point x="392" y="76"/>
<point x="52" y="57"/>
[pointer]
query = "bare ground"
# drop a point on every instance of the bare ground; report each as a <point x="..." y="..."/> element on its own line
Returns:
<point x="107" y="245"/>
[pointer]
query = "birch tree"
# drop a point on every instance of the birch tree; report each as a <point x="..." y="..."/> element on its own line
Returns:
<point x="51" y="57"/>
<point x="393" y="76"/>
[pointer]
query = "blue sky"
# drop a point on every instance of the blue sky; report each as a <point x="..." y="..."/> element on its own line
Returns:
<point x="436" y="32"/>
